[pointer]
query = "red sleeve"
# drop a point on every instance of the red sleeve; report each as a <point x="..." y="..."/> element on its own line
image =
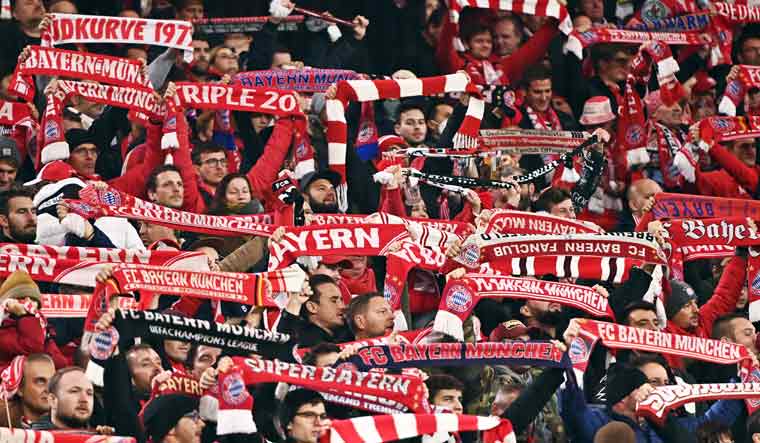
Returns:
<point x="726" y="294"/>
<point x="391" y="202"/>
<point x="530" y="53"/>
<point x="265" y="171"/>
<point x="465" y="215"/>
<point x="26" y="338"/>
<point x="59" y="359"/>
<point x="743" y="174"/>
<point x="134" y="180"/>
<point x="446" y="56"/>
<point x="188" y="305"/>
<point x="192" y="201"/>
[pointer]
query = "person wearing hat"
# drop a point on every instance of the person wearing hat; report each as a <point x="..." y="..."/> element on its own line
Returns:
<point x="10" y="160"/>
<point x="319" y="192"/>
<point x="172" y="418"/>
<point x="22" y="331"/>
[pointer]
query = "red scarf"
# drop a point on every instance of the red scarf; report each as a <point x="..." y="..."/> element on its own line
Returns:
<point x="518" y="222"/>
<point x="733" y="231"/>
<point x="54" y="146"/>
<point x="226" y="97"/>
<point x="547" y="120"/>
<point x="75" y="305"/>
<point x="714" y="130"/>
<point x="403" y="390"/>
<point x="333" y="240"/>
<point x="371" y="90"/>
<point x="462" y="295"/>
<point x="71" y="28"/>
<point x="28" y="436"/>
<point x="669" y="205"/>
<point x="60" y="62"/>
<point x="539" y="8"/>
<point x="631" y="134"/>
<point x="301" y="80"/>
<point x="449" y="226"/>
<point x="139" y="98"/>
<point x="577" y="41"/>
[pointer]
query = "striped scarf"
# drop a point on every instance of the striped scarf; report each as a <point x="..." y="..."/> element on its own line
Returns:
<point x="369" y="90"/>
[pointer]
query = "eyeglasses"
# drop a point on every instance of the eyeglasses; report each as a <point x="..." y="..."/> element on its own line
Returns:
<point x="193" y="415"/>
<point x="308" y="415"/>
<point x="215" y="162"/>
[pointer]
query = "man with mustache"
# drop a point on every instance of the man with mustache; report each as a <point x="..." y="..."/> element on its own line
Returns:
<point x="18" y="217"/>
<point x="72" y="399"/>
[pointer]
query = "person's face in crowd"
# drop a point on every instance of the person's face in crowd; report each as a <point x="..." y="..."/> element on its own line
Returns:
<point x="543" y="312"/>
<point x="192" y="11"/>
<point x="594" y="9"/>
<point x="430" y="6"/>
<point x="377" y="321"/>
<point x="507" y="37"/>
<point x="169" y="190"/>
<point x="411" y="126"/>
<point x="63" y="7"/>
<point x="137" y="54"/>
<point x="328" y="313"/>
<point x="539" y="94"/>
<point x="226" y="61"/>
<point x="35" y="398"/>
<point x="144" y="365"/>
<point x="177" y="350"/>
<point x="419" y="211"/>
<point x="481" y="45"/>
<point x="656" y="374"/>
<point x="745" y="150"/>
<point x="212" y="168"/>
<point x="187" y="430"/>
<point x="260" y="121"/>
<point x="640" y="193"/>
<point x="643" y="319"/>
<point x="581" y="23"/>
<point x="71" y="405"/>
<point x="280" y="59"/>
<point x="129" y="13"/>
<point x="201" y="55"/>
<point x="4" y="83"/>
<point x="7" y="175"/>
<point x="450" y="399"/>
<point x="670" y="116"/>
<point x="332" y="271"/>
<point x="29" y="13"/>
<point x="21" y="222"/>
<point x="327" y="359"/>
<point x="744" y="333"/>
<point x="615" y="69"/>
<point x="83" y="159"/>
<point x="688" y="317"/>
<point x="560" y="104"/>
<point x="310" y="423"/>
<point x="322" y="197"/>
<point x="703" y="106"/>
<point x="564" y="209"/>
<point x="750" y="52"/>
<point x="442" y="113"/>
<point x="205" y="357"/>
<point x="358" y="266"/>
<point x="239" y="41"/>
<point x="238" y="192"/>
<point x="151" y="233"/>
<point x="502" y="401"/>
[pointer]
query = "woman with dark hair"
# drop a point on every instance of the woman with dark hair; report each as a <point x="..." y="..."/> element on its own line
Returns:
<point x="233" y="197"/>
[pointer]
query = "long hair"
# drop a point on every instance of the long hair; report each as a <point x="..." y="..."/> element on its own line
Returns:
<point x="218" y="205"/>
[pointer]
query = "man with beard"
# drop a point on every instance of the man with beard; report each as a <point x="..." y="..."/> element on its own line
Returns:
<point x="318" y="190"/>
<point x="18" y="217"/>
<point x="72" y="399"/>
<point x="22" y="31"/>
<point x="542" y="315"/>
<point x="198" y="69"/>
<point x="370" y="316"/>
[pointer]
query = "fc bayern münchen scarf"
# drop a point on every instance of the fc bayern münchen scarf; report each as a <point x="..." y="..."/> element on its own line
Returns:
<point x="18" y="435"/>
<point x="701" y="206"/>
<point x="577" y="41"/>
<point x="301" y="80"/>
<point x="506" y="221"/>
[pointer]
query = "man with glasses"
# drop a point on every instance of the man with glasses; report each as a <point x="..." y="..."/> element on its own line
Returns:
<point x="210" y="163"/>
<point x="303" y="416"/>
<point x="612" y="64"/>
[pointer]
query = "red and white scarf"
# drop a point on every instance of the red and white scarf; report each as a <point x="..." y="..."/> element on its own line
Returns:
<point x="217" y="96"/>
<point x="539" y="8"/>
<point x="79" y="265"/>
<point x="631" y="131"/>
<point x="370" y="90"/>
<point x="141" y="99"/>
<point x="60" y="62"/>
<point x="737" y="13"/>
<point x="54" y="146"/>
<point x="530" y="141"/>
<point x="664" y="399"/>
<point x="325" y="240"/>
<point x="669" y="205"/>
<point x="301" y="80"/>
<point x="518" y="222"/>
<point x="75" y="305"/>
<point x="250" y="289"/>
<point x="609" y="269"/>
<point x="721" y="129"/>
<point x="10" y="377"/>
<point x="732" y="231"/>
<point x="406" y="391"/>
<point x="18" y="435"/>
<point x="387" y="428"/>
<point x="494" y="247"/>
<point x="71" y="28"/>
<point x="462" y="295"/>
<point x="577" y="41"/>
<point x="447" y="226"/>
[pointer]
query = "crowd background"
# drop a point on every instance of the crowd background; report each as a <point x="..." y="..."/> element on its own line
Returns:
<point x="232" y="160"/>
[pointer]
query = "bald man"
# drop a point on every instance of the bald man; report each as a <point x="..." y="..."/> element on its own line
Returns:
<point x="640" y="200"/>
<point x="615" y="432"/>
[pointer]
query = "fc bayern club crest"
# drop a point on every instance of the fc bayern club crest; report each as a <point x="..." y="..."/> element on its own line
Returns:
<point x="366" y="132"/>
<point x="722" y="124"/>
<point x="654" y="10"/>
<point x="347" y="366"/>
<point x="52" y="130"/>
<point x="459" y="299"/>
<point x="470" y="254"/>
<point x="634" y="135"/>
<point x="756" y="285"/>
<point x="389" y="293"/>
<point x="578" y="351"/>
<point x="233" y="390"/>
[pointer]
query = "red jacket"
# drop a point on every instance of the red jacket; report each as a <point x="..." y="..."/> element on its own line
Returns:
<point x="512" y="66"/>
<point x="25" y="335"/>
<point x="720" y="184"/>
<point x="133" y="182"/>
<point x="744" y="176"/>
<point x="722" y="302"/>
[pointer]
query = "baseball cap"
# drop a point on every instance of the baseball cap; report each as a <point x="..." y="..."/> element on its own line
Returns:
<point x="308" y="178"/>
